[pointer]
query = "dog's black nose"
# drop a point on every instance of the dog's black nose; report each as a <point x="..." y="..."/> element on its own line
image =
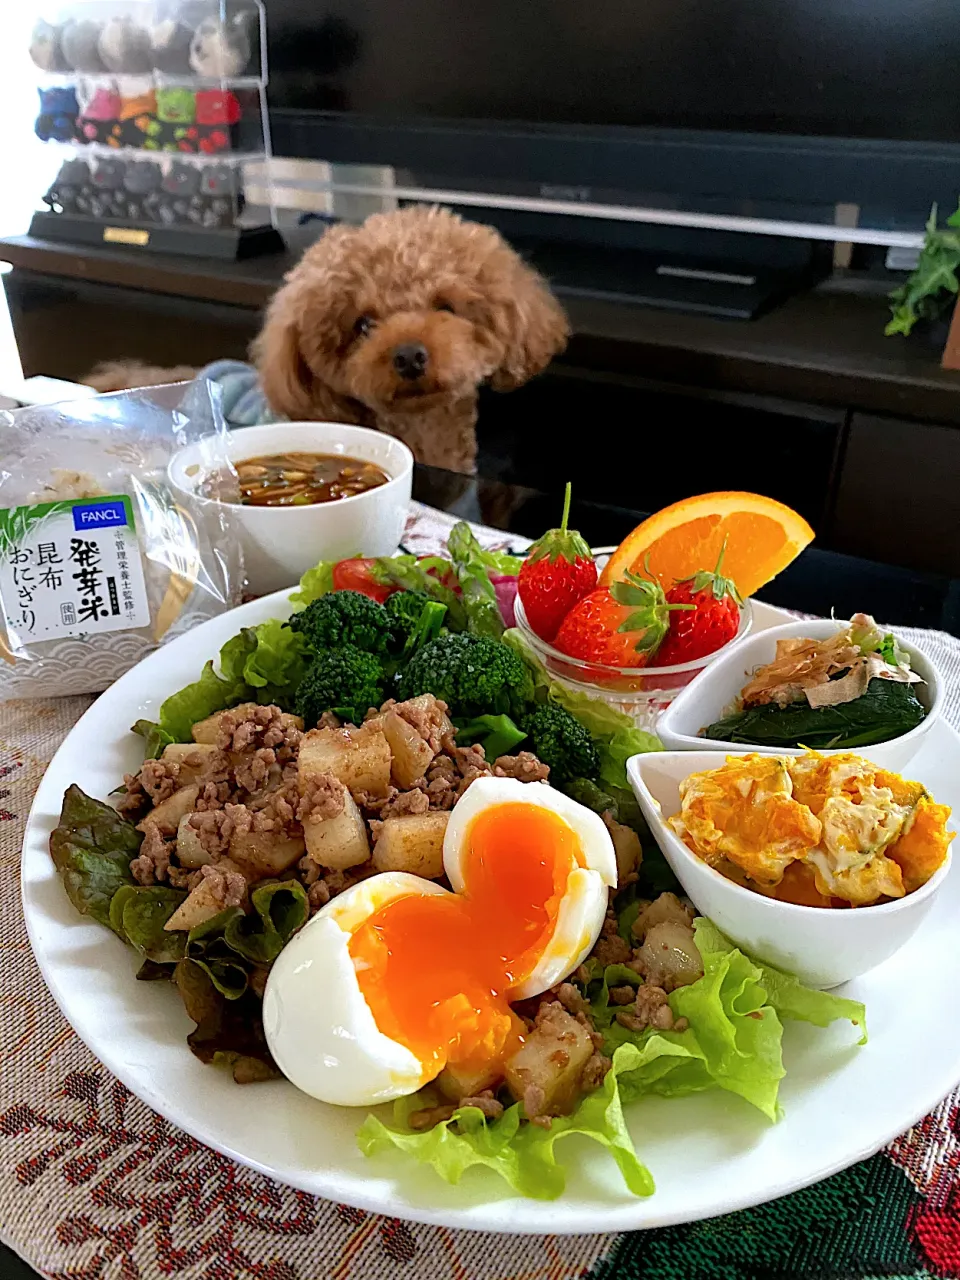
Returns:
<point x="410" y="360"/>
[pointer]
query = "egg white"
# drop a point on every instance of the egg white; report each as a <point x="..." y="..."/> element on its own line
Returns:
<point x="319" y="1027"/>
<point x="584" y="903"/>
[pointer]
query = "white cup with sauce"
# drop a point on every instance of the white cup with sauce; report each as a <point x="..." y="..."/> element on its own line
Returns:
<point x="281" y="542"/>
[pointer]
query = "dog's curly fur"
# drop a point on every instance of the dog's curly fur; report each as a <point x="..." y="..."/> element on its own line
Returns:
<point x="418" y="275"/>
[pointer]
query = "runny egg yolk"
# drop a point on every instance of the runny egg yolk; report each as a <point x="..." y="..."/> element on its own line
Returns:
<point x="437" y="972"/>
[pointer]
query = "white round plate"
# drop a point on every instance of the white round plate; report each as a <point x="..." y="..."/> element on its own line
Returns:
<point x="709" y="1154"/>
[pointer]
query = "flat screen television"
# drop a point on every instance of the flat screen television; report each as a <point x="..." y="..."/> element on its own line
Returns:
<point x="710" y="103"/>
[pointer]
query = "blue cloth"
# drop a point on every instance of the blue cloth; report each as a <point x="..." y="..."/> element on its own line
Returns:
<point x="236" y="388"/>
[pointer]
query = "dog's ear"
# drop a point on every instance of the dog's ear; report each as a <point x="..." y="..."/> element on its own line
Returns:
<point x="285" y="377"/>
<point x="531" y="325"/>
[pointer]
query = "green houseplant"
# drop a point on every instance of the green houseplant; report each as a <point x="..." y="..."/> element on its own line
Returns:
<point x="926" y="293"/>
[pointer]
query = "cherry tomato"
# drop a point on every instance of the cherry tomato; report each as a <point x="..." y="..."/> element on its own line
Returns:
<point x="356" y="575"/>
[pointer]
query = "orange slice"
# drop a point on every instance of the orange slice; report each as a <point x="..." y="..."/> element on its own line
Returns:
<point x="762" y="538"/>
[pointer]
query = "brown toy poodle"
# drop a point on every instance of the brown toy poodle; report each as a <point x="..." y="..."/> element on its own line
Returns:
<point x="394" y="324"/>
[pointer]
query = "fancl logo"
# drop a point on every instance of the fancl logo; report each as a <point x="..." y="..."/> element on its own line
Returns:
<point x="99" y="515"/>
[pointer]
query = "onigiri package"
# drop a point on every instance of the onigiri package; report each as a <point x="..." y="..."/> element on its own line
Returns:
<point x="100" y="561"/>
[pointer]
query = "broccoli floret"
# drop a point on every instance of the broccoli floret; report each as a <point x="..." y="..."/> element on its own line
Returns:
<point x="416" y="620"/>
<point x="498" y="735"/>
<point x="345" y="680"/>
<point x="561" y="741"/>
<point x="345" y="617"/>
<point x="405" y="608"/>
<point x="472" y="674"/>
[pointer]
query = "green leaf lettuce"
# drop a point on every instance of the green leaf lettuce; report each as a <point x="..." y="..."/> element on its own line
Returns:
<point x="733" y="1042"/>
<point x="260" y="664"/>
<point x="92" y="848"/>
<point x="524" y="1156"/>
<point x="138" y="914"/>
<point x="616" y="735"/>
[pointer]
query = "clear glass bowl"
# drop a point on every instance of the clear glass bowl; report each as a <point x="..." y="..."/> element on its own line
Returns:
<point x="641" y="692"/>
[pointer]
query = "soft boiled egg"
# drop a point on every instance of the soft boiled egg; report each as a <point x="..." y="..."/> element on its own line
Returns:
<point x="398" y="977"/>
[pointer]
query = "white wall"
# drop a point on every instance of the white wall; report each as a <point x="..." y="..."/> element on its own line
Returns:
<point x="26" y="166"/>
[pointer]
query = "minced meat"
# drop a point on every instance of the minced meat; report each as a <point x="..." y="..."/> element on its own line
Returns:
<point x="159" y="779"/>
<point x="324" y="797"/>
<point x="153" y="861"/>
<point x="427" y="715"/>
<point x="249" y="725"/>
<point x="524" y="765"/>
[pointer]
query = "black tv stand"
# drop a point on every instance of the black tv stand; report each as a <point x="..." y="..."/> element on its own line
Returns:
<point x="723" y="287"/>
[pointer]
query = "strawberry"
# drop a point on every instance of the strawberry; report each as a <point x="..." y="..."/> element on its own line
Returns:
<point x="712" y="622"/>
<point x="622" y="626"/>
<point x="558" y="571"/>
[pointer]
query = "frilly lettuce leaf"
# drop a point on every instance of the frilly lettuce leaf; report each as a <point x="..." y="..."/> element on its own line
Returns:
<point x="92" y="848"/>
<point x="316" y="582"/>
<point x="524" y="1156"/>
<point x="735" y="1033"/>
<point x="271" y="660"/>
<point x="260" y="664"/>
<point x="787" y="994"/>
<point x="615" y="734"/>
<point x="733" y="1042"/>
<point x="181" y="711"/>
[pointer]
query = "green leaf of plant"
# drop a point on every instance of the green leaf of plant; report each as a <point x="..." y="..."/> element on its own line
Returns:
<point x="280" y="909"/>
<point x="524" y="1156"/>
<point x="207" y="947"/>
<point x="229" y="1031"/>
<point x="138" y="914"/>
<point x="885" y="710"/>
<point x="316" y="582"/>
<point x="92" y="848"/>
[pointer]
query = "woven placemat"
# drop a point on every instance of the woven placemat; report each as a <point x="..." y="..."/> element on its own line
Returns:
<point x="93" y="1184"/>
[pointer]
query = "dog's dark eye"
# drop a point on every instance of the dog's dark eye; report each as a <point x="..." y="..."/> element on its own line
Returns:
<point x="363" y="326"/>
<point x="444" y="306"/>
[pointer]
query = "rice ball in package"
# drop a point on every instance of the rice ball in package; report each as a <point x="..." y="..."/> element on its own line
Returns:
<point x="100" y="560"/>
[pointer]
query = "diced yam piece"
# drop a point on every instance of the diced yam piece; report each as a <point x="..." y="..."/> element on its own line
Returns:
<point x="428" y="702"/>
<point x="202" y="903"/>
<point x="208" y="731"/>
<point x="412" y="756"/>
<point x="459" y="1080"/>
<point x="190" y="851"/>
<point x="666" y="909"/>
<point x="670" y="956"/>
<point x="414" y="843"/>
<point x="169" y="812"/>
<point x="260" y="854"/>
<point x="544" y="1074"/>
<point x="626" y="846"/>
<point x="358" y="756"/>
<point x="338" y="842"/>
<point x="192" y="757"/>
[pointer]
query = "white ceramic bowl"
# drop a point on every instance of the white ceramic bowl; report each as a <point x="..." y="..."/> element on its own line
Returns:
<point x="281" y="543"/>
<point x="822" y="946"/>
<point x="705" y="700"/>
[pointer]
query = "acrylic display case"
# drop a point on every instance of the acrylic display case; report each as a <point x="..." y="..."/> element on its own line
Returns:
<point x="159" y="108"/>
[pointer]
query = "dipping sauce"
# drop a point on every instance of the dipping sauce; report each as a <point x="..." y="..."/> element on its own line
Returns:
<point x="297" y="479"/>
